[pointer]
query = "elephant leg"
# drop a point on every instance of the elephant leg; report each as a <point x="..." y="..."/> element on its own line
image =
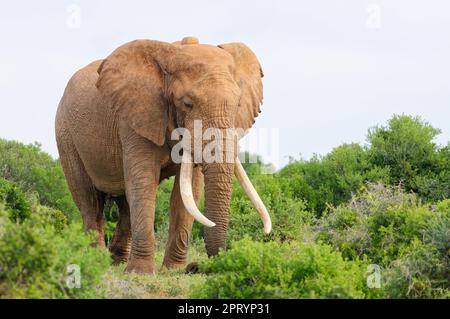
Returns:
<point x="121" y="241"/>
<point x="88" y="199"/>
<point x="92" y="214"/>
<point x="142" y="165"/>
<point x="180" y="222"/>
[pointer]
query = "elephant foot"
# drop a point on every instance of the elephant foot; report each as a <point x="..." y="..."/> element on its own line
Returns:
<point x="173" y="266"/>
<point x="119" y="256"/>
<point x="140" y="266"/>
<point x="117" y="260"/>
<point x="192" y="268"/>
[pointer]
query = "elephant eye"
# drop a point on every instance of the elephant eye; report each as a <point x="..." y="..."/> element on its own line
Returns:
<point x="188" y="104"/>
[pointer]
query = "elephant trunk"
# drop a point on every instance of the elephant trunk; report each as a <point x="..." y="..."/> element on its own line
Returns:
<point x="218" y="177"/>
<point x="218" y="186"/>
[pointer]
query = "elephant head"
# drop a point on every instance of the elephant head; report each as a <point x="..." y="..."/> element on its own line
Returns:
<point x="155" y="85"/>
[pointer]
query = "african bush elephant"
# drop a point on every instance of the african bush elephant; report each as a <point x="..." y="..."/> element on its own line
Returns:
<point x="113" y="130"/>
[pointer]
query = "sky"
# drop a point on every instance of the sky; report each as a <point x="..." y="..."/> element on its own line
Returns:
<point x="332" y="68"/>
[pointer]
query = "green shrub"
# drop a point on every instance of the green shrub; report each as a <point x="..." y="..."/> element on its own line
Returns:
<point x="34" y="171"/>
<point x="331" y="179"/>
<point x="14" y="201"/>
<point x="288" y="215"/>
<point x="111" y="215"/>
<point x="403" y="152"/>
<point x="163" y="204"/>
<point x="406" y="146"/>
<point x="434" y="185"/>
<point x="290" y="270"/>
<point x="393" y="229"/>
<point x="418" y="272"/>
<point x="52" y="217"/>
<point x="35" y="254"/>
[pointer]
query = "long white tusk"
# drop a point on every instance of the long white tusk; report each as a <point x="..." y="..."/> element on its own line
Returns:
<point x="253" y="195"/>
<point x="186" y="191"/>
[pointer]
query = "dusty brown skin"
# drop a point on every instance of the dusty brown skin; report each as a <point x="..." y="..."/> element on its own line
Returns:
<point x="113" y="129"/>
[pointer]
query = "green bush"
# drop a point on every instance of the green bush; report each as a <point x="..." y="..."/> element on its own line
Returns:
<point x="331" y="179"/>
<point x="52" y="217"/>
<point x="403" y="152"/>
<point x="35" y="254"/>
<point x="19" y="207"/>
<point x="34" y="171"/>
<point x="434" y="185"/>
<point x="393" y="229"/>
<point x="163" y="204"/>
<point x="111" y="215"/>
<point x="14" y="201"/>
<point x="290" y="270"/>
<point x="420" y="271"/>
<point x="288" y="215"/>
<point x="406" y="146"/>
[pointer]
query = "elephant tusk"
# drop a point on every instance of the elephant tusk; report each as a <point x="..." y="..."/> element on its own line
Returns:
<point x="186" y="191"/>
<point x="253" y="195"/>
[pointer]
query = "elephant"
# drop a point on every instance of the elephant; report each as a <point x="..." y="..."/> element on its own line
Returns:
<point x="113" y="130"/>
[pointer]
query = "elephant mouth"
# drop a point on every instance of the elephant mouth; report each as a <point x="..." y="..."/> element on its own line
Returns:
<point x="187" y="196"/>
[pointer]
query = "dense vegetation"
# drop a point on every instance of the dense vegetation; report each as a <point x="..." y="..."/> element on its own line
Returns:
<point x="392" y="229"/>
<point x="401" y="153"/>
<point x="289" y="270"/>
<point x="332" y="255"/>
<point x="36" y="172"/>
<point x="383" y="206"/>
<point x="36" y="250"/>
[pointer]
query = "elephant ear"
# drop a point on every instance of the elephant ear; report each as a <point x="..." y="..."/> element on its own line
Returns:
<point x="132" y="79"/>
<point x="248" y="75"/>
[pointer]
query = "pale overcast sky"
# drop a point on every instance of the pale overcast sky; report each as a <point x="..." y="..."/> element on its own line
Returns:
<point x="332" y="68"/>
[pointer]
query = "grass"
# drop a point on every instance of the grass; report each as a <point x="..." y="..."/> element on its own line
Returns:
<point x="167" y="284"/>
